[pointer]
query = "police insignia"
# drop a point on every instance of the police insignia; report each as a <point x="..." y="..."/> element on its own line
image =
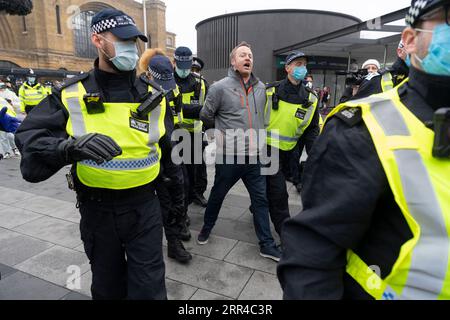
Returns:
<point x="300" y="114"/>
<point x="139" y="125"/>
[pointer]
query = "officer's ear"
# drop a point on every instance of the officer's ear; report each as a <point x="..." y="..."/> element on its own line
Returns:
<point x="287" y="68"/>
<point x="409" y="38"/>
<point x="96" y="41"/>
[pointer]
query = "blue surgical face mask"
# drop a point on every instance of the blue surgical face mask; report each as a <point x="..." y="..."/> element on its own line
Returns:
<point x="183" y="73"/>
<point x="126" y="55"/>
<point x="299" y="73"/>
<point x="408" y="61"/>
<point x="437" y="61"/>
<point x="31" y="80"/>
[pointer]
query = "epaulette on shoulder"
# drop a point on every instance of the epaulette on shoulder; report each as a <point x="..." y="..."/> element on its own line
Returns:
<point x="68" y="82"/>
<point x="272" y="84"/>
<point x="311" y="91"/>
<point x="198" y="76"/>
<point x="351" y="116"/>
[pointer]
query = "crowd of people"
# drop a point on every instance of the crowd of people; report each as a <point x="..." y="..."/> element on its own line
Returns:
<point x="375" y="187"/>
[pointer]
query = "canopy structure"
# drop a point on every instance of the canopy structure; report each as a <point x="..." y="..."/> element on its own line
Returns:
<point x="377" y="38"/>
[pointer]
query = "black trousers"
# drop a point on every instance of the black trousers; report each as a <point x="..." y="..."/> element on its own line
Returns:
<point x="198" y="179"/>
<point x="171" y="221"/>
<point x="123" y="241"/>
<point x="277" y="194"/>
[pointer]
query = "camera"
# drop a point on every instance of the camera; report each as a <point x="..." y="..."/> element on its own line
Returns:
<point x="355" y="78"/>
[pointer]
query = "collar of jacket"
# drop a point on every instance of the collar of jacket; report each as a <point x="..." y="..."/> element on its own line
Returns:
<point x="435" y="90"/>
<point x="36" y="86"/>
<point x="236" y="75"/>
<point x="187" y="84"/>
<point x="114" y="80"/>
<point x="291" y="93"/>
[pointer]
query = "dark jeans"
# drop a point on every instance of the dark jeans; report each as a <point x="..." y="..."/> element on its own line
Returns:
<point x="226" y="177"/>
<point x="198" y="180"/>
<point x="124" y="245"/>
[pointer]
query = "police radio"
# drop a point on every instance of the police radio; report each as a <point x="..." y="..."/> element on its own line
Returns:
<point x="275" y="101"/>
<point x="441" y="123"/>
<point x="151" y="102"/>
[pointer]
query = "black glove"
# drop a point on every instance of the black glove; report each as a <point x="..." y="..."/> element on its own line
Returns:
<point x="92" y="146"/>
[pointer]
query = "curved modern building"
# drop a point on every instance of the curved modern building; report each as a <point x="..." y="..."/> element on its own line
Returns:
<point x="267" y="31"/>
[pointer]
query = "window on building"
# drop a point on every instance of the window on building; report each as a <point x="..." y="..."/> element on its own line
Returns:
<point x="169" y="42"/>
<point x="24" y="24"/>
<point x="58" y="20"/>
<point x="82" y="35"/>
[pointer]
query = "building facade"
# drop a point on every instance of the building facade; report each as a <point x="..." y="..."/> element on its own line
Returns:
<point x="56" y="34"/>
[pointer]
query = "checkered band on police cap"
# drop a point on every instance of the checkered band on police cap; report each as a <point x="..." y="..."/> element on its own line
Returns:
<point x="183" y="58"/>
<point x="159" y="76"/>
<point x="107" y="24"/>
<point x="415" y="11"/>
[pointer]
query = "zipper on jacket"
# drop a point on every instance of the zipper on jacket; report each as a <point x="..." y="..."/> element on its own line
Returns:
<point x="249" y="113"/>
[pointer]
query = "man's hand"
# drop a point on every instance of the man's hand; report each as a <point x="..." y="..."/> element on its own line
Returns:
<point x="92" y="146"/>
<point x="8" y="123"/>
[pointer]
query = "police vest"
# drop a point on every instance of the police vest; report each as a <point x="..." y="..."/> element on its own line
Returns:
<point x="387" y="83"/>
<point x="177" y="114"/>
<point x="31" y="96"/>
<point x="139" y="163"/>
<point x="194" y="125"/>
<point x="421" y="188"/>
<point x="287" y="124"/>
<point x="321" y="122"/>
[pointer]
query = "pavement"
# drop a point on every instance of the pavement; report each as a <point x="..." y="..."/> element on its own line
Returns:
<point x="42" y="256"/>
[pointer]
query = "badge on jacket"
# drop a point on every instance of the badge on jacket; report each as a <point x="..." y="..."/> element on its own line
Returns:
<point x="300" y="114"/>
<point x="139" y="125"/>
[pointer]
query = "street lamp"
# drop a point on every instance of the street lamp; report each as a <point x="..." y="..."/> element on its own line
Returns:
<point x="145" y="22"/>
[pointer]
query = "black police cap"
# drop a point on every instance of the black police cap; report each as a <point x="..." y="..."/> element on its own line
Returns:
<point x="198" y="63"/>
<point x="421" y="7"/>
<point x="116" y="22"/>
<point x="183" y="57"/>
<point x="295" y="55"/>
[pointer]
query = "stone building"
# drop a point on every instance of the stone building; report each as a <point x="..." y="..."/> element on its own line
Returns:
<point x="56" y="34"/>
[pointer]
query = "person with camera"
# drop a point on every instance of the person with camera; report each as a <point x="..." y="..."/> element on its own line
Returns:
<point x="376" y="193"/>
<point x="111" y="126"/>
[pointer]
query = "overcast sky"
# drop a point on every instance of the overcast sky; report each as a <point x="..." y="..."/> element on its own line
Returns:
<point x="183" y="15"/>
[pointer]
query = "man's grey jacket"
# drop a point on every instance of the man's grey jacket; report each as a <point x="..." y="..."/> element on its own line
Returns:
<point x="231" y="105"/>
